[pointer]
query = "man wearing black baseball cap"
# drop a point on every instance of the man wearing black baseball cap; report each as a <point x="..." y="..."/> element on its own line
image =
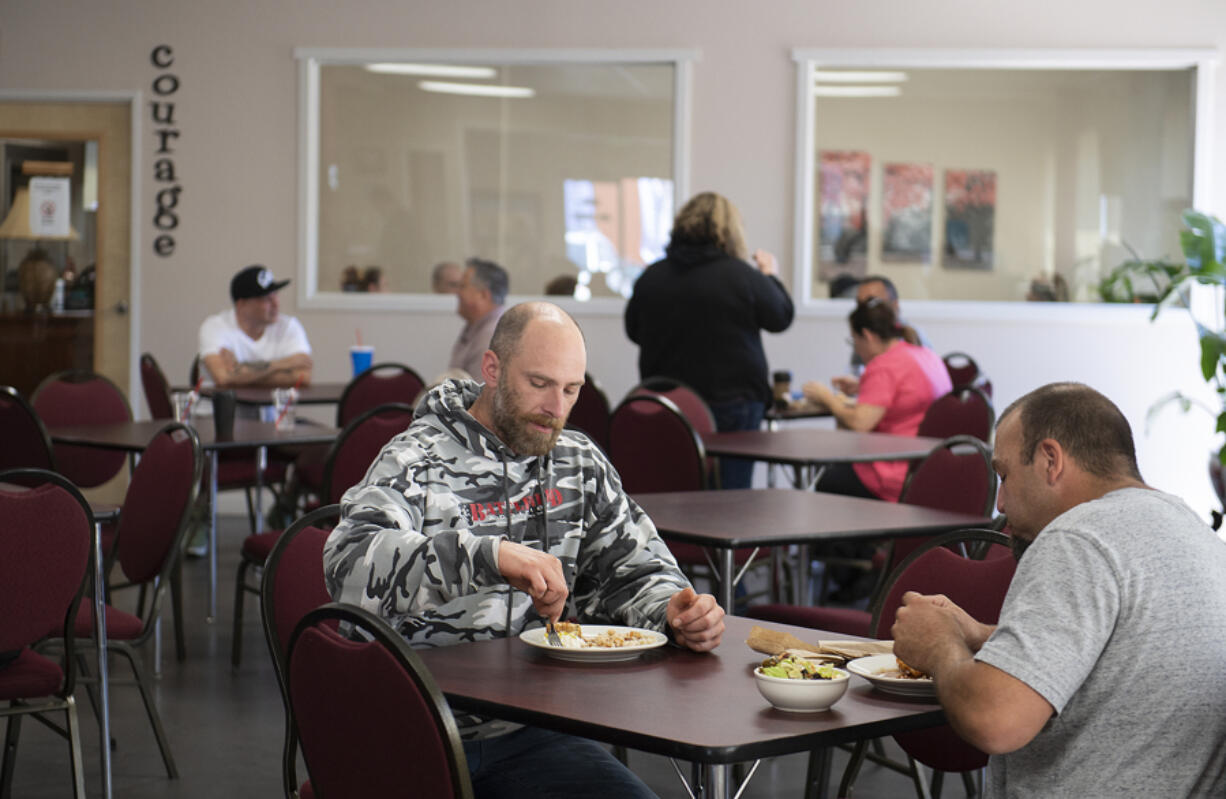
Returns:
<point x="252" y="344"/>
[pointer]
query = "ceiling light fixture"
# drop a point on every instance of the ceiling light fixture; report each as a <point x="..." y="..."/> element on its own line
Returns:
<point x="854" y="76"/>
<point x="432" y="70"/>
<point x="856" y="91"/>
<point x="475" y="89"/>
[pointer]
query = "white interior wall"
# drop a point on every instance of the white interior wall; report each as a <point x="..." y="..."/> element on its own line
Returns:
<point x="236" y="159"/>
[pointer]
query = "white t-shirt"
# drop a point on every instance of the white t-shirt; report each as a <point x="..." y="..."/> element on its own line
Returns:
<point x="1117" y="617"/>
<point x="282" y="338"/>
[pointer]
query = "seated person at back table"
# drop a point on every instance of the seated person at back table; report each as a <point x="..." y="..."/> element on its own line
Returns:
<point x="901" y="379"/>
<point x="1104" y="676"/>
<point x="882" y="288"/>
<point x="252" y="344"/>
<point x="480" y="302"/>
<point x="486" y="518"/>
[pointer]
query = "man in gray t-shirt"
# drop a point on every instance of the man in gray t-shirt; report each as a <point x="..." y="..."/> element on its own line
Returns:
<point x="1107" y="673"/>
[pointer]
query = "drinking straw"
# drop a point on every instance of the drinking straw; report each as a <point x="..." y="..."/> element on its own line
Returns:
<point x="358" y="333"/>
<point x="191" y="398"/>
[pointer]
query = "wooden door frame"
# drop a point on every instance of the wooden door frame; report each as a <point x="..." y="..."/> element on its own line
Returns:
<point x="135" y="104"/>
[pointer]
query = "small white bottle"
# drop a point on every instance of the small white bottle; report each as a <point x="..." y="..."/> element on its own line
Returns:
<point x="57" y="296"/>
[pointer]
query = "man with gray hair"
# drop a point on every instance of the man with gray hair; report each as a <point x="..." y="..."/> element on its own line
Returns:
<point x="480" y="299"/>
<point x="1104" y="676"/>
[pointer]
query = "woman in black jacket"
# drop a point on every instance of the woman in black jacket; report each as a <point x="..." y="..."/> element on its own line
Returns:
<point x="697" y="316"/>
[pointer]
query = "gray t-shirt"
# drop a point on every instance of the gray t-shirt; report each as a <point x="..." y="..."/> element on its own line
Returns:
<point x="1117" y="617"/>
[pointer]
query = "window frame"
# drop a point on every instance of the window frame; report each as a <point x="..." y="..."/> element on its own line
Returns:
<point x="311" y="60"/>
<point x="1203" y="60"/>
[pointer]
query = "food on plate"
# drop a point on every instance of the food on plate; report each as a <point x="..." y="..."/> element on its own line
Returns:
<point x="795" y="668"/>
<point x="572" y="637"/>
<point x="908" y="673"/>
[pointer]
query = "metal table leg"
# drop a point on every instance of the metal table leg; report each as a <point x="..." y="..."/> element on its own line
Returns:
<point x="261" y="464"/>
<point x="213" y="458"/>
<point x="104" y="697"/>
<point x="727" y="578"/>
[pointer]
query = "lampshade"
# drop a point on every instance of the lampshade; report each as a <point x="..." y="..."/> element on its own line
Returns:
<point x="17" y="224"/>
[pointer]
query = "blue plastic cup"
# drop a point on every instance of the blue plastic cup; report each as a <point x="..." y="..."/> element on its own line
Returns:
<point x="362" y="357"/>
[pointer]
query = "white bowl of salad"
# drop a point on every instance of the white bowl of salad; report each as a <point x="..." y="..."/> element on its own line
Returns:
<point x="798" y="685"/>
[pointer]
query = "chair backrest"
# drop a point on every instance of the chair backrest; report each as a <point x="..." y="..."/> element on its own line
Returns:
<point x="590" y="413"/>
<point x="965" y="373"/>
<point x="157" y="509"/>
<point x="965" y="411"/>
<point x="293" y="586"/>
<point x="45" y="555"/>
<point x="978" y="586"/>
<point x="378" y="385"/>
<point x="654" y="447"/>
<point x="393" y="719"/>
<point x="80" y="397"/>
<point x="293" y="582"/>
<point x="26" y="442"/>
<point x="156" y="387"/>
<point x="957" y="475"/>
<point x="357" y="446"/>
<point x="688" y="401"/>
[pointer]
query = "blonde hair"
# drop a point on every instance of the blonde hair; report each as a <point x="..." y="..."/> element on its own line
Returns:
<point x="710" y="218"/>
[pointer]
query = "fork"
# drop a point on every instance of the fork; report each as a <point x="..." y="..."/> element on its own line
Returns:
<point x="551" y="633"/>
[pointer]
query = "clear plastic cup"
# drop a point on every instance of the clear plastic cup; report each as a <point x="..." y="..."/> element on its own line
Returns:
<point x="183" y="403"/>
<point x="285" y="403"/>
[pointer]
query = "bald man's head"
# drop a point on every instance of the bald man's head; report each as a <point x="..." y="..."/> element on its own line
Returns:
<point x="510" y="330"/>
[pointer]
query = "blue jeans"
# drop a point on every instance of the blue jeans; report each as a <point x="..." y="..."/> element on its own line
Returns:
<point x="532" y="763"/>
<point x="730" y="416"/>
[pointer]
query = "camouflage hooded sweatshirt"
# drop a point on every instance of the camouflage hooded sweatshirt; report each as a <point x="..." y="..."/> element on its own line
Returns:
<point x="418" y="539"/>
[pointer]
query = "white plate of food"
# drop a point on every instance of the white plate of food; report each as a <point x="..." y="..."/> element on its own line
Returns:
<point x="595" y="643"/>
<point x="883" y="672"/>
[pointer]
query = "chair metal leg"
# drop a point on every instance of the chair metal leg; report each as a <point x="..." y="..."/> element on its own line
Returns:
<point x="176" y="609"/>
<point x="10" y="756"/>
<point x="236" y="637"/>
<point x="74" y="750"/>
<point x="852" y="772"/>
<point x="255" y="528"/>
<point x="937" y="784"/>
<point x="150" y="708"/>
<point x="88" y="682"/>
<point x="972" y="781"/>
<point x="917" y="779"/>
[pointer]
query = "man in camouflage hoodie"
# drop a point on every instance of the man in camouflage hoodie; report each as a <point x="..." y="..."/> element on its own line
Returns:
<point x="485" y="518"/>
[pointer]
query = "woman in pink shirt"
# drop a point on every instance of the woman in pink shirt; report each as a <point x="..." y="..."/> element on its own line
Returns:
<point x="901" y="379"/>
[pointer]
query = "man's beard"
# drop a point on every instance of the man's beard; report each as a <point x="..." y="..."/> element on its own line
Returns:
<point x="513" y="427"/>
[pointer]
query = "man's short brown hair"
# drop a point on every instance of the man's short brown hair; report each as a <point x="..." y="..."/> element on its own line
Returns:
<point x="1090" y="428"/>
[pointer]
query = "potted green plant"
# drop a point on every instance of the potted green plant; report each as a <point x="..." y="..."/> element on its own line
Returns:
<point x="1164" y="283"/>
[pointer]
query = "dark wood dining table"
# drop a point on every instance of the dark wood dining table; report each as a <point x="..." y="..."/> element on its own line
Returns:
<point x="773" y="517"/>
<point x="249" y="434"/>
<point x="700" y="708"/>
<point x="313" y="394"/>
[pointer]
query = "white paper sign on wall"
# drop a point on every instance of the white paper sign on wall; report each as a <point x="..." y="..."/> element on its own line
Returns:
<point x="49" y="207"/>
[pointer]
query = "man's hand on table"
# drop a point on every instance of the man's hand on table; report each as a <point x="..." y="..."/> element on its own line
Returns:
<point x="696" y="620"/>
<point x="536" y="573"/>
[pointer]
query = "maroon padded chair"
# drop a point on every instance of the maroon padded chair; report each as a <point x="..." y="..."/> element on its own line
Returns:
<point x="45" y="557"/>
<point x="156" y="387"/>
<point x="394" y="720"/>
<point x="978" y="585"/>
<point x="80" y="397"/>
<point x="654" y="448"/>
<point x="26" y="442"/>
<point x="153" y="526"/>
<point x="965" y="373"/>
<point x="965" y="411"/>
<point x="293" y="586"/>
<point x="351" y="455"/>
<point x="957" y="476"/>
<point x="590" y="413"/>
<point x="381" y="384"/>
<point x="692" y="406"/>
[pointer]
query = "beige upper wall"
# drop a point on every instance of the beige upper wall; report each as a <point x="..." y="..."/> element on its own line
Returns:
<point x="238" y="104"/>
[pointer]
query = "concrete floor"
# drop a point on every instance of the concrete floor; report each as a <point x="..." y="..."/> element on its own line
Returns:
<point x="226" y="727"/>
